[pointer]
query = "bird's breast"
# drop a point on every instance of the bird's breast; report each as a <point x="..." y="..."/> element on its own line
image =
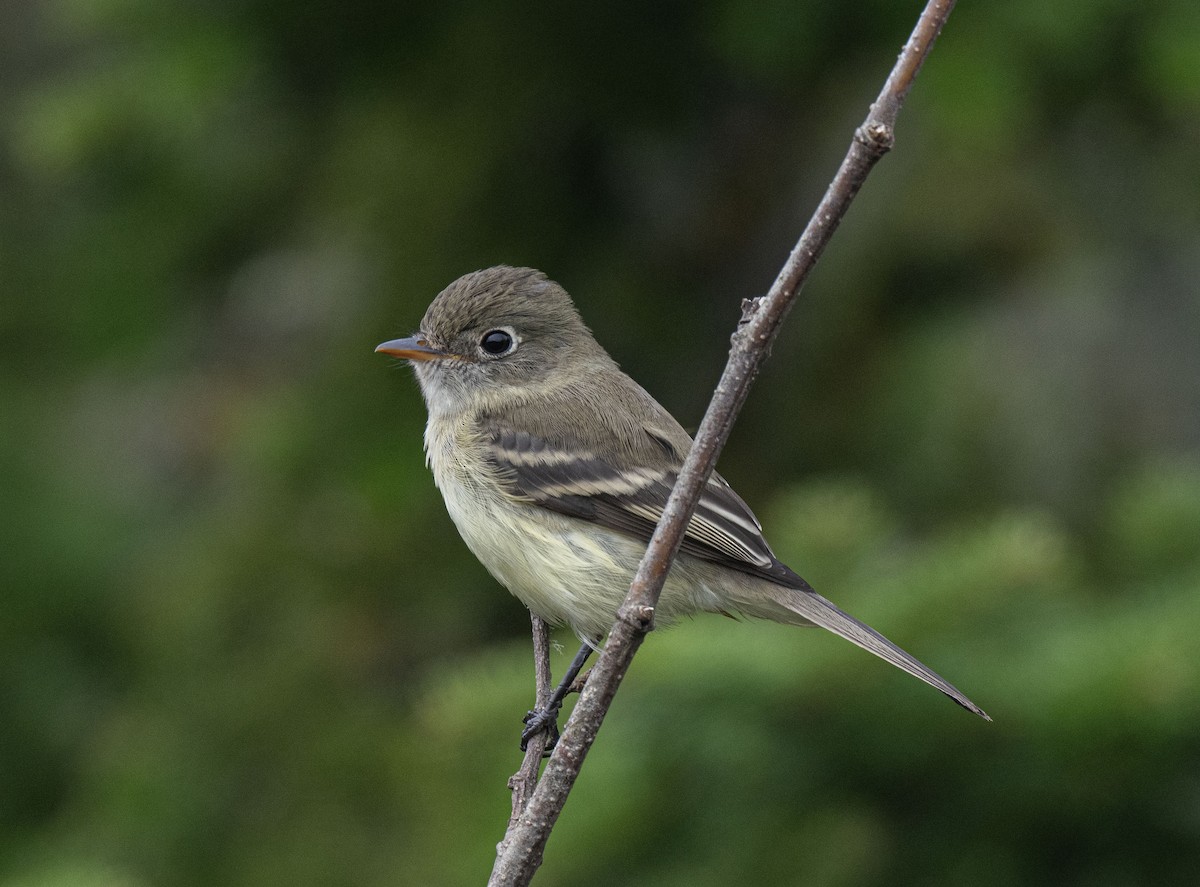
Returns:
<point x="566" y="570"/>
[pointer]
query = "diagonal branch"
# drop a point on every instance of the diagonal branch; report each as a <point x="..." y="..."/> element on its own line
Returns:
<point x="525" y="843"/>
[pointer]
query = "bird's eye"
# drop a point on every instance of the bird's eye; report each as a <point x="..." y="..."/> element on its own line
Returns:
<point x="497" y="342"/>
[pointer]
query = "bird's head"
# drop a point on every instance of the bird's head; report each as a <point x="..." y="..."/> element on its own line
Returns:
<point x="491" y="333"/>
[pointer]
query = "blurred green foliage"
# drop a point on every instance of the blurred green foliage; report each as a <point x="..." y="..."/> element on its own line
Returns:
<point x="241" y="643"/>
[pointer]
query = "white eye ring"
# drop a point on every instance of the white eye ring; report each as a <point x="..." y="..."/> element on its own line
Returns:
<point x="499" y="342"/>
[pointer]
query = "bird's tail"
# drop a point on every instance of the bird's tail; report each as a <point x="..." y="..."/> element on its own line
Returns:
<point x="805" y="606"/>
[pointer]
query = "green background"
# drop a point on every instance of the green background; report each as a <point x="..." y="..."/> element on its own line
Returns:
<point x="241" y="643"/>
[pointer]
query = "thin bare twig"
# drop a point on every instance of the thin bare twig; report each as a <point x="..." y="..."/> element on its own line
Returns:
<point x="524" y="781"/>
<point x="526" y="841"/>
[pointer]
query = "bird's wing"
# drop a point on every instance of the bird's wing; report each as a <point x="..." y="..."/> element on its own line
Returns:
<point x="628" y="493"/>
<point x="630" y="498"/>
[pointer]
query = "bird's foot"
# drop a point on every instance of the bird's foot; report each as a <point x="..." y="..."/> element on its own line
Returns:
<point x="547" y="718"/>
<point x="536" y="721"/>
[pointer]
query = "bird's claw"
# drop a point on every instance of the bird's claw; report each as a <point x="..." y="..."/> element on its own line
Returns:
<point x="536" y="721"/>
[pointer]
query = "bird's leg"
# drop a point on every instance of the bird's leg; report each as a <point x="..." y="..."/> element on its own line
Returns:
<point x="540" y="719"/>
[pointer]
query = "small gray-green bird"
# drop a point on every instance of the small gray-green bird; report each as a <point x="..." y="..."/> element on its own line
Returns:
<point x="556" y="466"/>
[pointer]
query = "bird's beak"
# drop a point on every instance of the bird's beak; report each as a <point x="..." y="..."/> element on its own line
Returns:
<point x="412" y="348"/>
